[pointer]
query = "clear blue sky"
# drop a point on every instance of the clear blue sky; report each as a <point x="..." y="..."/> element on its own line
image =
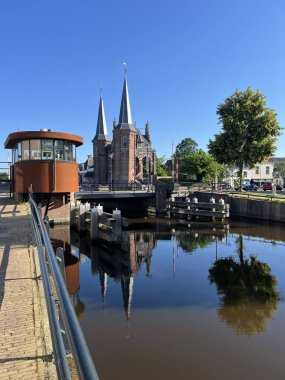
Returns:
<point x="183" y="57"/>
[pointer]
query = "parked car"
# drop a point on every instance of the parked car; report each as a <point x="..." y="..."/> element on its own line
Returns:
<point x="250" y="187"/>
<point x="268" y="186"/>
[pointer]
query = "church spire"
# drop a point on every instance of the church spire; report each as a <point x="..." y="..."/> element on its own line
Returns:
<point x="147" y="135"/>
<point x="127" y="283"/>
<point x="101" y="131"/>
<point x="125" y="111"/>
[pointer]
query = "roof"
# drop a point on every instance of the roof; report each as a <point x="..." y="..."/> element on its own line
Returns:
<point x="101" y="131"/>
<point x="125" y="111"/>
<point x="15" y="137"/>
<point x="125" y="119"/>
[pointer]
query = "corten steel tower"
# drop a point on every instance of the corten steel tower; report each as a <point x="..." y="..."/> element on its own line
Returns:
<point x="44" y="163"/>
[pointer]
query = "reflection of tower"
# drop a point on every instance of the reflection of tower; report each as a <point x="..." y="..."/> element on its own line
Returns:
<point x="148" y="256"/>
<point x="72" y="273"/>
<point x="72" y="283"/>
<point x="103" y="282"/>
<point x="79" y="306"/>
<point x="127" y="283"/>
<point x="94" y="250"/>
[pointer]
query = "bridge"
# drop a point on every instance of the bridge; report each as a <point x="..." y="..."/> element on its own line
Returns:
<point x="121" y="194"/>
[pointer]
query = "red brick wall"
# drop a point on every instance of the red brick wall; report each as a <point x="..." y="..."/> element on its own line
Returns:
<point x="58" y="211"/>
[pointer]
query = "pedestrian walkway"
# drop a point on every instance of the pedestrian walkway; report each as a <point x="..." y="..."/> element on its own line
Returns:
<point x="25" y="343"/>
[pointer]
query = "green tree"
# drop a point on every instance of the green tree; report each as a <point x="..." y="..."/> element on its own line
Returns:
<point x="161" y="170"/>
<point x="279" y="169"/>
<point x="190" y="243"/>
<point x="249" y="131"/>
<point x="200" y="165"/>
<point x="3" y="175"/>
<point x="186" y="147"/>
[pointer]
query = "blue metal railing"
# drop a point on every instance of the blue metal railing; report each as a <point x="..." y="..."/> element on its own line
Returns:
<point x="81" y="355"/>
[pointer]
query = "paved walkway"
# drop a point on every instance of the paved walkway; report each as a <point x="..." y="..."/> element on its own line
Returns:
<point x="25" y="345"/>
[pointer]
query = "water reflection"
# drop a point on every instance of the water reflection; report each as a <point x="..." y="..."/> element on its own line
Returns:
<point x="61" y="237"/>
<point x="179" y="290"/>
<point x="247" y="289"/>
<point x="120" y="263"/>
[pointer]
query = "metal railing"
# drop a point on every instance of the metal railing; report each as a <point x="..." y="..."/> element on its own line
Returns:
<point x="81" y="355"/>
<point x="133" y="187"/>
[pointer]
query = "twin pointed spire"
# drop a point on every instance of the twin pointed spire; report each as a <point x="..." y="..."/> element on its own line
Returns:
<point x="101" y="131"/>
<point x="125" y="117"/>
<point x="125" y="111"/>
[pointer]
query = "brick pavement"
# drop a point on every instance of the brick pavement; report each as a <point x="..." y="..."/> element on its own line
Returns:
<point x="25" y="344"/>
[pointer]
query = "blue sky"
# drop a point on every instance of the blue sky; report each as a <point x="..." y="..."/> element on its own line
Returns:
<point x="183" y="57"/>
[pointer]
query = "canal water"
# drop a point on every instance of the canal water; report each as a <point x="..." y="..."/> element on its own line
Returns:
<point x="182" y="301"/>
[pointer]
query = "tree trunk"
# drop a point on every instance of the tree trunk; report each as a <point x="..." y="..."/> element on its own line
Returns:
<point x="240" y="249"/>
<point x="240" y="175"/>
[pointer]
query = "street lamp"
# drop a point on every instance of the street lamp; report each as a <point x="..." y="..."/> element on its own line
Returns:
<point x="147" y="167"/>
<point x="111" y="155"/>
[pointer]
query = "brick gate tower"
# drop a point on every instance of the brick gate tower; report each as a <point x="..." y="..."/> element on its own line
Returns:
<point x="101" y="146"/>
<point x="124" y="142"/>
<point x="129" y="158"/>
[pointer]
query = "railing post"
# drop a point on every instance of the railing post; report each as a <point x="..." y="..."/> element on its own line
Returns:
<point x="60" y="260"/>
<point x="82" y="358"/>
<point x="47" y="225"/>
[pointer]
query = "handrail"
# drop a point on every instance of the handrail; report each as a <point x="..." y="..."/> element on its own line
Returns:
<point x="132" y="187"/>
<point x="82" y="358"/>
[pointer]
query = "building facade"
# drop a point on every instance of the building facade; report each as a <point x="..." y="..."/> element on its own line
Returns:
<point x="262" y="172"/>
<point x="129" y="157"/>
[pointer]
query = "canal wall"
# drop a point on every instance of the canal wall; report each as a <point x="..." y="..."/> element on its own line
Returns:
<point x="249" y="208"/>
<point x="258" y="209"/>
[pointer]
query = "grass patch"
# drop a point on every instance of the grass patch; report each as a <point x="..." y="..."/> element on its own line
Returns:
<point x="260" y="197"/>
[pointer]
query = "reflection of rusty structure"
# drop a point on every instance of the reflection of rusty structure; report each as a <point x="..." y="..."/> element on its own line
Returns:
<point x="60" y="237"/>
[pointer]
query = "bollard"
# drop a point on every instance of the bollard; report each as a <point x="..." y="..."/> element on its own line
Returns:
<point x="212" y="200"/>
<point x="87" y="206"/>
<point x="118" y="225"/>
<point x="187" y="200"/>
<point x="99" y="209"/>
<point x="94" y="224"/>
<point x="228" y="210"/>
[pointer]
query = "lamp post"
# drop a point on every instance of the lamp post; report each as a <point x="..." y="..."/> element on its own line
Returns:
<point x="111" y="155"/>
<point x="216" y="177"/>
<point x="147" y="167"/>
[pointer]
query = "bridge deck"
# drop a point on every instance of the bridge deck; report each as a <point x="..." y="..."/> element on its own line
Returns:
<point x="93" y="195"/>
<point x="24" y="331"/>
